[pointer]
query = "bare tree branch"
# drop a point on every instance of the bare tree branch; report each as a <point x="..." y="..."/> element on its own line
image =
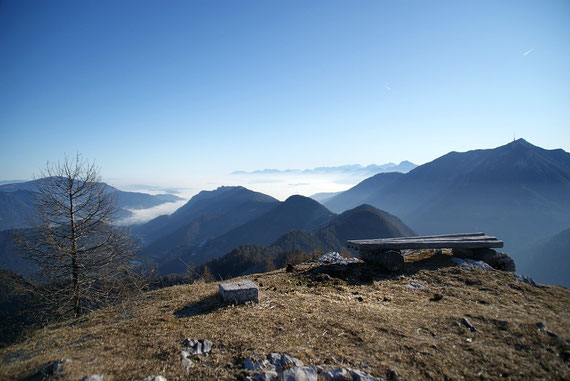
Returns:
<point x="84" y="260"/>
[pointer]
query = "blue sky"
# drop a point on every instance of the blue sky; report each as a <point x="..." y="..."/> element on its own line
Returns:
<point x="163" y="92"/>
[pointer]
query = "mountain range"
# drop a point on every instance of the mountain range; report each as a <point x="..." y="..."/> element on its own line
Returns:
<point x="356" y="169"/>
<point x="518" y="192"/>
<point x="17" y="202"/>
<point x="217" y="222"/>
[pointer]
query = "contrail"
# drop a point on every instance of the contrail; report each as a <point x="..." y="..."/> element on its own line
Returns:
<point x="528" y="52"/>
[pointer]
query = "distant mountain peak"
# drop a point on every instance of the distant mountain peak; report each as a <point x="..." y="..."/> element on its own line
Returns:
<point x="298" y="201"/>
<point x="520" y="143"/>
<point x="298" y="198"/>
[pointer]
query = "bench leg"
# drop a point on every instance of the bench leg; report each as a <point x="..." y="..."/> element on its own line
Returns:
<point x="392" y="260"/>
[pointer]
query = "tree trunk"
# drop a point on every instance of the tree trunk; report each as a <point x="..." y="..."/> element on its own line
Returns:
<point x="74" y="259"/>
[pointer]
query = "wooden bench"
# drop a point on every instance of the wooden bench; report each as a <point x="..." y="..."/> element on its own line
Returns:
<point x="386" y="251"/>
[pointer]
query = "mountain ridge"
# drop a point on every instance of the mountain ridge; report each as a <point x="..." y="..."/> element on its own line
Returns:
<point x="16" y="202"/>
<point x="517" y="191"/>
<point x="403" y="166"/>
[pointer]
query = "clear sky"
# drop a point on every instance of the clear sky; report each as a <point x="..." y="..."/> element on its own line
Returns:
<point x="167" y="91"/>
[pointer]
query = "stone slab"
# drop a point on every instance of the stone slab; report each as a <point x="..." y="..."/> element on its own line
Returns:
<point x="239" y="292"/>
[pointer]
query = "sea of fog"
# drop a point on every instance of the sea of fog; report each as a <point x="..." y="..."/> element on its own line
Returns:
<point x="280" y="185"/>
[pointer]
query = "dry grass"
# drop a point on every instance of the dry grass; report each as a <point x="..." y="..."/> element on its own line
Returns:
<point x="350" y="316"/>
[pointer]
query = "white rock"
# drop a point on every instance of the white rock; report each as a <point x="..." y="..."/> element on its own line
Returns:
<point x="290" y="362"/>
<point x="299" y="373"/>
<point x="526" y="279"/>
<point x="274" y="358"/>
<point x="415" y="286"/>
<point x="471" y="264"/>
<point x="187" y="364"/>
<point x="254" y="365"/>
<point x="93" y="377"/>
<point x="339" y="374"/>
<point x="197" y="347"/>
<point x="334" y="257"/>
<point x="358" y="375"/>
<point x="155" y="378"/>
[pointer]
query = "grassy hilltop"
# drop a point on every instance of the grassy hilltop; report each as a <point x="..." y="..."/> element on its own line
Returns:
<point x="352" y="316"/>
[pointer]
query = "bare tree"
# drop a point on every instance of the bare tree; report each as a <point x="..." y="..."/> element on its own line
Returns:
<point x="83" y="259"/>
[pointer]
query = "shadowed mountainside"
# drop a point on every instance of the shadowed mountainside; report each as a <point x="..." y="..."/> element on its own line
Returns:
<point x="297" y="224"/>
<point x="548" y="259"/>
<point x="297" y="212"/>
<point x="205" y="216"/>
<point x="362" y="222"/>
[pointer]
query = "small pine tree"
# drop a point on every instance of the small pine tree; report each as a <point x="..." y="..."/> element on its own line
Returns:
<point x="207" y="275"/>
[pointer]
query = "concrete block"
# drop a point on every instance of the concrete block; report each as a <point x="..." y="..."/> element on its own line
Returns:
<point x="239" y="292"/>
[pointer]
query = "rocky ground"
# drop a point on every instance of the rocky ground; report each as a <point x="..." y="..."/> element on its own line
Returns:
<point x="437" y="319"/>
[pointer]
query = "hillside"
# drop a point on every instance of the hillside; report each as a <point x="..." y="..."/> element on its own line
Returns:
<point x="413" y="324"/>
<point x="15" y="209"/>
<point x="540" y="257"/>
<point x="295" y="213"/>
<point x="297" y="246"/>
<point x="362" y="222"/>
<point x="11" y="257"/>
<point x="518" y="192"/>
<point x="227" y="206"/>
<point x="19" y="309"/>
<point x="205" y="216"/>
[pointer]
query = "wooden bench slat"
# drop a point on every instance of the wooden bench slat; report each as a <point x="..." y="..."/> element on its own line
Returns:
<point x="476" y="234"/>
<point x="426" y="244"/>
<point x="416" y="239"/>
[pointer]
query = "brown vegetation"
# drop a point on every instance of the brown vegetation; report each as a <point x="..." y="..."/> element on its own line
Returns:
<point x="354" y="316"/>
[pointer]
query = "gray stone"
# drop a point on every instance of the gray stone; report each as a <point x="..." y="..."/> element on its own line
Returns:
<point x="239" y="292"/>
<point x="415" y="286"/>
<point x="274" y="358"/>
<point x="299" y="373"/>
<point x="339" y="374"/>
<point x="290" y="362"/>
<point x="95" y="377"/>
<point x="542" y="328"/>
<point x="197" y="347"/>
<point x="526" y="279"/>
<point x="391" y="260"/>
<point x="155" y="378"/>
<point x="186" y="362"/>
<point x="499" y="261"/>
<point x="358" y="375"/>
<point x="58" y="368"/>
<point x="471" y="264"/>
<point x="468" y="324"/>
<point x="207" y="346"/>
<point x="269" y="375"/>
<point x="334" y="257"/>
<point x="393" y="375"/>
<point x="253" y="365"/>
